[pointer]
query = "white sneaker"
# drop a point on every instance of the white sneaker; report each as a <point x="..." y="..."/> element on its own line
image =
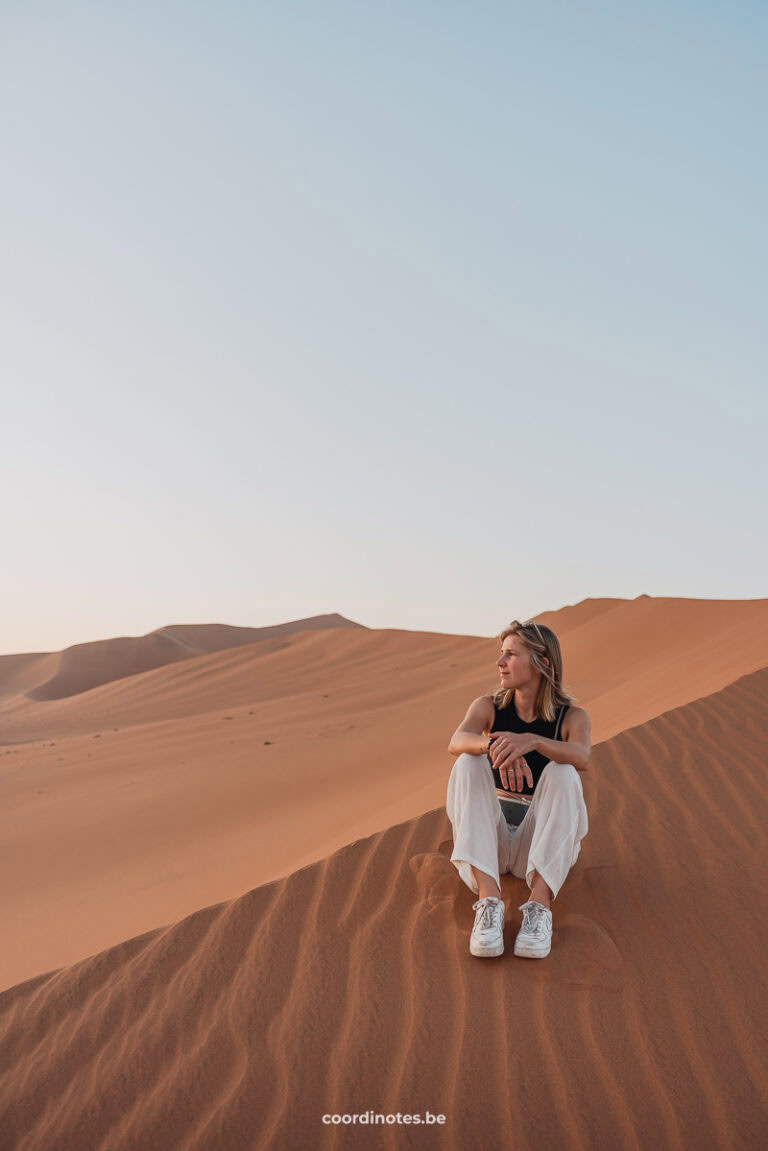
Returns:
<point x="534" y="939"/>
<point x="487" y="936"/>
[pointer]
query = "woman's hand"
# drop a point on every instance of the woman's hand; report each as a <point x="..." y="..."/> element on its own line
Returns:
<point x="506" y="755"/>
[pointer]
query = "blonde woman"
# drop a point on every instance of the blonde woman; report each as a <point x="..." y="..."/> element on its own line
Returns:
<point x="527" y="739"/>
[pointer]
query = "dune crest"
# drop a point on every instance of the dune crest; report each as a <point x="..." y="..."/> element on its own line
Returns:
<point x="87" y="665"/>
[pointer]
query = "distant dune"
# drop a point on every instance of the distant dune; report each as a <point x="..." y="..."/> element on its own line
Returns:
<point x="87" y="665"/>
<point x="348" y="986"/>
<point x="135" y="802"/>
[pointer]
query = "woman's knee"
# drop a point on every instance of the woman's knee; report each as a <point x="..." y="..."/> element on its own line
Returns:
<point x="470" y="764"/>
<point x="562" y="776"/>
<point x="471" y="771"/>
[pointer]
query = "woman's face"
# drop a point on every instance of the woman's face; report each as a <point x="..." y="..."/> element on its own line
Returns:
<point x="514" y="662"/>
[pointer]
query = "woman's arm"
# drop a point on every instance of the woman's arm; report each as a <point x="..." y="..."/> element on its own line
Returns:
<point x="576" y="749"/>
<point x="470" y="734"/>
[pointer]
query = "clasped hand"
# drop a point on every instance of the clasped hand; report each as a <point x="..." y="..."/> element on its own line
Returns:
<point x="506" y="754"/>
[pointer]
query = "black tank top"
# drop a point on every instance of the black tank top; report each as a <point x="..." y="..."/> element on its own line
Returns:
<point x="507" y="719"/>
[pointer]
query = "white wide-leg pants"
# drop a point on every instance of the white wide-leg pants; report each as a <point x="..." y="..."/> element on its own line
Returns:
<point x="548" y="840"/>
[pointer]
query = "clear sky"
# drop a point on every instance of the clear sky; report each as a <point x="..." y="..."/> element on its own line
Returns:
<point x="432" y="314"/>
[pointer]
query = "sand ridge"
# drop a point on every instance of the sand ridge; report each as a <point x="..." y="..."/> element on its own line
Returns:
<point x="58" y="675"/>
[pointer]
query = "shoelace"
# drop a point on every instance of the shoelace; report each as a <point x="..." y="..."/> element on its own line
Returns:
<point x="533" y="917"/>
<point x="486" y="918"/>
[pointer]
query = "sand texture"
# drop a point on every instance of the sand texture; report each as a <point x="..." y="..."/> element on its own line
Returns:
<point x="345" y="983"/>
<point x="348" y="986"/>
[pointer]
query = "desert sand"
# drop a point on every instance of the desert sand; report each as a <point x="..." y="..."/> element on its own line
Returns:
<point x="238" y="861"/>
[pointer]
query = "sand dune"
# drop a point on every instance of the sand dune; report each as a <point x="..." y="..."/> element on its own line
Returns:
<point x="348" y="987"/>
<point x="87" y="665"/>
<point x="136" y="802"/>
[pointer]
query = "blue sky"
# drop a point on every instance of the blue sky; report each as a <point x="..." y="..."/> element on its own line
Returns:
<point x="435" y="315"/>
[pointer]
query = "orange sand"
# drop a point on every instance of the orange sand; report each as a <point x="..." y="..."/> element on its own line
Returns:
<point x="348" y="985"/>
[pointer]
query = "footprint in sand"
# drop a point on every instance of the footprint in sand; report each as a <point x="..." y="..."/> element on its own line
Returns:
<point x="436" y="878"/>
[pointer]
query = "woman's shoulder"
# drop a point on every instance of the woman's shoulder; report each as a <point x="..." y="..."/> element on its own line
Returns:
<point x="482" y="705"/>
<point x="487" y="704"/>
<point x="570" y="709"/>
<point x="574" y="717"/>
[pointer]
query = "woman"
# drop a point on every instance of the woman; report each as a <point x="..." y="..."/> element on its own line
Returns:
<point x="528" y="737"/>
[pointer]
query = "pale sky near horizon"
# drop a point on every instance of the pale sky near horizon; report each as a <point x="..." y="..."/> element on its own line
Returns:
<point x="434" y="315"/>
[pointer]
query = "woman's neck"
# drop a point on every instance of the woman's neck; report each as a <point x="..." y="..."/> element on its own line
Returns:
<point x="525" y="703"/>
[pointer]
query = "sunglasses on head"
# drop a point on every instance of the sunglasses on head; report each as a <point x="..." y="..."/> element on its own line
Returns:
<point x="528" y="623"/>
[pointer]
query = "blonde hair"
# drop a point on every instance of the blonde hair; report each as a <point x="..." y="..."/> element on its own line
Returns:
<point x="540" y="642"/>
